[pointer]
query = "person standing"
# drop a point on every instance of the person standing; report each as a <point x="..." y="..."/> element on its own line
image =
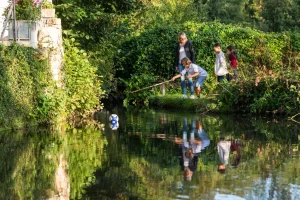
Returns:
<point x="184" y="48"/>
<point x="232" y="56"/>
<point x="220" y="65"/>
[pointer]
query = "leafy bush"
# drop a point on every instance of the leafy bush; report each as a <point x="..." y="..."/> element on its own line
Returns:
<point x="26" y="87"/>
<point x="81" y="80"/>
<point x="260" y="54"/>
<point x="275" y="96"/>
<point x="27" y="10"/>
<point x="137" y="82"/>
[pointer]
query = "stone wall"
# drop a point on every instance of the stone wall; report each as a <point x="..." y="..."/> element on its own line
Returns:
<point x="45" y="34"/>
<point x="49" y="40"/>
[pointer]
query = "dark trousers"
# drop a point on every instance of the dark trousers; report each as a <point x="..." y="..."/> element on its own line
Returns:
<point x="227" y="76"/>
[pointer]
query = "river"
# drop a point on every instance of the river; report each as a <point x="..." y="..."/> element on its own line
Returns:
<point x="144" y="158"/>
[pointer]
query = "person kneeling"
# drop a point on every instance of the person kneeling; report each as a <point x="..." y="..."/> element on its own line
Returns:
<point x="193" y="70"/>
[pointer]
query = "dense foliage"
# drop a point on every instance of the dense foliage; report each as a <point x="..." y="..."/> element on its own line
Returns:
<point x="132" y="42"/>
<point x="27" y="90"/>
<point x="29" y="94"/>
<point x="270" y="57"/>
<point x="82" y="83"/>
<point x="41" y="163"/>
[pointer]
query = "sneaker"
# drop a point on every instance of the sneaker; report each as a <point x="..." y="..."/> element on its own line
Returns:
<point x="192" y="97"/>
<point x="184" y="96"/>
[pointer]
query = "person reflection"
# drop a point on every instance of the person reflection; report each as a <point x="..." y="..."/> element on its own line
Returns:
<point x="236" y="153"/>
<point x="224" y="147"/>
<point x="190" y="148"/>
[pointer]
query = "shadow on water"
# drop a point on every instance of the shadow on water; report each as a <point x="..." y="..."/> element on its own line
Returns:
<point x="153" y="155"/>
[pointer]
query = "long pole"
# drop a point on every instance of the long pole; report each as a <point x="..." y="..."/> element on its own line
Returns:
<point x="225" y="89"/>
<point x="150" y="86"/>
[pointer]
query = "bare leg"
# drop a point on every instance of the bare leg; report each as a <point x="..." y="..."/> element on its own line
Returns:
<point x="198" y="91"/>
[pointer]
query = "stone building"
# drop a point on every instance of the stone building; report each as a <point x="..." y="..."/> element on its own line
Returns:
<point x="44" y="34"/>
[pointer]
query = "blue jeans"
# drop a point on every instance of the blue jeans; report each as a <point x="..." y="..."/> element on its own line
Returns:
<point x="199" y="81"/>
<point x="186" y="145"/>
<point x="183" y="83"/>
<point x="185" y="125"/>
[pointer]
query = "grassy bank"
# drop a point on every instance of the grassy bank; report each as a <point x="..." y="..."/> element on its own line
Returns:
<point x="269" y="95"/>
<point x="174" y="101"/>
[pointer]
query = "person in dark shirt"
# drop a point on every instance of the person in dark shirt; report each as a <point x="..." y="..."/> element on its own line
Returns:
<point x="184" y="48"/>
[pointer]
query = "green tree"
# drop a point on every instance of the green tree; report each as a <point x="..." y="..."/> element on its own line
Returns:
<point x="228" y="11"/>
<point x="253" y="9"/>
<point x="278" y="14"/>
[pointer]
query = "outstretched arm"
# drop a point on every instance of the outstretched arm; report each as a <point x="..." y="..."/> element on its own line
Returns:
<point x="194" y="75"/>
<point x="174" y="77"/>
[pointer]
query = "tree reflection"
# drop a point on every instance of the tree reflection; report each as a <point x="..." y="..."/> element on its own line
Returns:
<point x="142" y="158"/>
<point x="50" y="163"/>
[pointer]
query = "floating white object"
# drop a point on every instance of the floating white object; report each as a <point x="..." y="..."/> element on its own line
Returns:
<point x="114" y="126"/>
<point x="113" y="118"/>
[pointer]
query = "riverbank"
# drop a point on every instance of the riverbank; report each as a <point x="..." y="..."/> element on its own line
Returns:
<point x="174" y="101"/>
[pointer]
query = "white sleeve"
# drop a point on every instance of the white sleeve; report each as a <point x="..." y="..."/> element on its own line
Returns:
<point x="196" y="69"/>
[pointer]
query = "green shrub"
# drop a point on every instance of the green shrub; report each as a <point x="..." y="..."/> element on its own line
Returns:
<point x="259" y="53"/>
<point x="137" y="82"/>
<point x="81" y="81"/>
<point x="26" y="87"/>
<point x="275" y="96"/>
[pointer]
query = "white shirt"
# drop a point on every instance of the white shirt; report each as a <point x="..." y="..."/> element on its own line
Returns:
<point x="192" y="69"/>
<point x="220" y="65"/>
<point x="182" y="53"/>
<point x="196" y="148"/>
<point x="224" y="151"/>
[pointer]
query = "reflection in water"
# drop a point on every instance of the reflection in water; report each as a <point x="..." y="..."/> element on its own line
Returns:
<point x="62" y="180"/>
<point x="224" y="147"/>
<point x="139" y="160"/>
<point x="191" y="147"/>
<point x="145" y="167"/>
<point x="223" y="151"/>
<point x="49" y="163"/>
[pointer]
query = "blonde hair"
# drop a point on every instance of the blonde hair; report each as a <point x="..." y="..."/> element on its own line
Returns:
<point x="186" y="61"/>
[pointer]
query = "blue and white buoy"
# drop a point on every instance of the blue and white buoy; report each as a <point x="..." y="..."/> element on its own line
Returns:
<point x="114" y="121"/>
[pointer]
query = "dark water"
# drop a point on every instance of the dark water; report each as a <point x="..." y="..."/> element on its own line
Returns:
<point x="144" y="159"/>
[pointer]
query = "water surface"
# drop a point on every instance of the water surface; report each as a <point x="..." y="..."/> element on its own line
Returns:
<point x="144" y="159"/>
